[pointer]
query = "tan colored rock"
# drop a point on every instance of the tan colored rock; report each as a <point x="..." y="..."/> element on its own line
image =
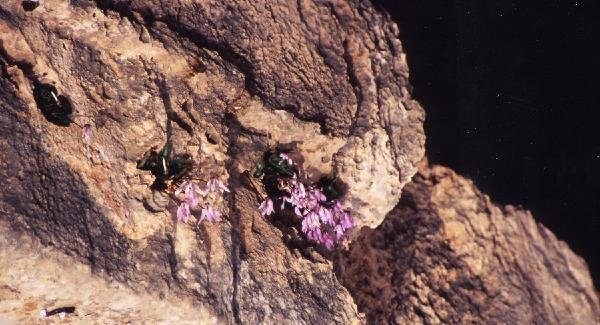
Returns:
<point x="448" y="255"/>
<point x="217" y="78"/>
<point x="222" y="75"/>
<point x="281" y="127"/>
<point x="33" y="278"/>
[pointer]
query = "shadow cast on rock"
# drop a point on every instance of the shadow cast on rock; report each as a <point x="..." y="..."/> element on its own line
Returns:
<point x="44" y="197"/>
<point x="380" y="266"/>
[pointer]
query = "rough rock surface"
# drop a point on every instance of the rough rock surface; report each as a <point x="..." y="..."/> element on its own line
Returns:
<point x="223" y="80"/>
<point x="200" y="72"/>
<point x="34" y="277"/>
<point x="448" y="255"/>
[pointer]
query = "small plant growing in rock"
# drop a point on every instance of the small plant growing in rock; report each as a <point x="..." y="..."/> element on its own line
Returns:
<point x="316" y="207"/>
<point x="165" y="167"/>
<point x="173" y="174"/>
<point x="57" y="109"/>
<point x="29" y="5"/>
<point x="190" y="195"/>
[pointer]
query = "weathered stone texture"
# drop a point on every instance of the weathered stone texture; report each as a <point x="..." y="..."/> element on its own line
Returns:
<point x="330" y="76"/>
<point x="448" y="255"/>
<point x="224" y="80"/>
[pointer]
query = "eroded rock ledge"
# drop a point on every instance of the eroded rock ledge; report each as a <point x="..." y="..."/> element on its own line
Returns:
<point x="448" y="255"/>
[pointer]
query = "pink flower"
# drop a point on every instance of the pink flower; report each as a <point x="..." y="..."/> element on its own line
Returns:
<point x="344" y="218"/>
<point x="310" y="222"/>
<point x="323" y="221"/>
<point x="328" y="240"/>
<point x="326" y="216"/>
<point x="314" y="234"/>
<point x="339" y="232"/>
<point x="209" y="213"/>
<point x="316" y="195"/>
<point x="215" y="184"/>
<point x="323" y="224"/>
<point x="87" y="132"/>
<point x="183" y="212"/>
<point x="266" y="207"/>
<point x="346" y="221"/>
<point x="191" y="193"/>
<point x="297" y="198"/>
<point x="191" y="196"/>
<point x="181" y="188"/>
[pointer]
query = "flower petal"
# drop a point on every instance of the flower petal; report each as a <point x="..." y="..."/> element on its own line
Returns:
<point x="87" y="132"/>
<point x="222" y="186"/>
<point x="266" y="207"/>
<point x="181" y="187"/>
<point x="183" y="212"/>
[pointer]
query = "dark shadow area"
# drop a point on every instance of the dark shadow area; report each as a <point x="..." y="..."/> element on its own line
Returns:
<point x="30" y="5"/>
<point x="416" y="268"/>
<point x="57" y="109"/>
<point x="57" y="311"/>
<point x="510" y="90"/>
<point x="43" y="197"/>
<point x="365" y="268"/>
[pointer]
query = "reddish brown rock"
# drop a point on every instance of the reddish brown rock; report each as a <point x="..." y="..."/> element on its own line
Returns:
<point x="199" y="73"/>
<point x="448" y="255"/>
<point x="223" y="80"/>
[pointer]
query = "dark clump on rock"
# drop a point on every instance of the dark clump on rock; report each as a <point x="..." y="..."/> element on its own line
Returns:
<point x="30" y="5"/>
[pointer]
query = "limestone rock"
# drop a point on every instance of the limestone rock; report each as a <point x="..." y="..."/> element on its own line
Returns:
<point x="447" y="255"/>
<point x="35" y="278"/>
<point x="223" y="80"/>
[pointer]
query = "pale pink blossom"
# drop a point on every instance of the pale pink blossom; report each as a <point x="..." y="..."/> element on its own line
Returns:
<point x="87" y="132"/>
<point x="266" y="207"/>
<point x="191" y="193"/>
<point x="183" y="212"/>
<point x="322" y="221"/>
<point x="214" y="184"/>
<point x="210" y="214"/>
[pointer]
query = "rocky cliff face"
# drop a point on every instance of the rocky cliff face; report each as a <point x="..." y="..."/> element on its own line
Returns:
<point x="223" y="81"/>
<point x="446" y="254"/>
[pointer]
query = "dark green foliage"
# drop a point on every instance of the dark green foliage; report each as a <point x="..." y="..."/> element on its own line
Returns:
<point x="273" y="164"/>
<point x="331" y="186"/>
<point x="180" y="166"/>
<point x="272" y="169"/>
<point x="259" y="170"/>
<point x="164" y="167"/>
<point x="56" y="108"/>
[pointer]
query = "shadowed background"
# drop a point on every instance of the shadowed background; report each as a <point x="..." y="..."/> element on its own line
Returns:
<point x="512" y="98"/>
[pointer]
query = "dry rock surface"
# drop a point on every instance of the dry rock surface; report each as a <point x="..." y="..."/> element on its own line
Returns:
<point x="448" y="255"/>
<point x="35" y="278"/>
<point x="224" y="81"/>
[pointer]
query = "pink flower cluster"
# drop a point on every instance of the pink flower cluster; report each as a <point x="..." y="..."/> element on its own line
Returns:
<point x="323" y="221"/>
<point x="192" y="194"/>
